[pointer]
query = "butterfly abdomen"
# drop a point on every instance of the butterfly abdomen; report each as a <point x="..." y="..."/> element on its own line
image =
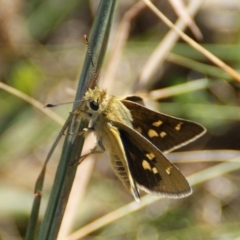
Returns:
<point x="118" y="168"/>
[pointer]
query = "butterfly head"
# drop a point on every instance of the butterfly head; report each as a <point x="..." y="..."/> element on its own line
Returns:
<point x="95" y="100"/>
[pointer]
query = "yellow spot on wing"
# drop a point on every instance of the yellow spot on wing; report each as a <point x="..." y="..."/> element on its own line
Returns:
<point x="162" y="134"/>
<point x="178" y="126"/>
<point x="146" y="165"/>
<point x="154" y="170"/>
<point x="150" y="156"/>
<point x="157" y="123"/>
<point x="168" y="170"/>
<point x="152" y="133"/>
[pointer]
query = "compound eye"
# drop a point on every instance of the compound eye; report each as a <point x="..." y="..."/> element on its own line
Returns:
<point x="94" y="105"/>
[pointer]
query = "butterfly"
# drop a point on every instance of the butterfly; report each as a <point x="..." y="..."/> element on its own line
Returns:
<point x="135" y="138"/>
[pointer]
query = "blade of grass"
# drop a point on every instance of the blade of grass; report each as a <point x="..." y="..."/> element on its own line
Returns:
<point x="179" y="89"/>
<point x="180" y="9"/>
<point x="198" y="66"/>
<point x="32" y="101"/>
<point x="31" y="229"/>
<point x="73" y="143"/>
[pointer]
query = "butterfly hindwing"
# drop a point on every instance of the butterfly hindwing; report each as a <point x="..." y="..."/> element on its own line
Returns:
<point x="167" y="133"/>
<point x="149" y="168"/>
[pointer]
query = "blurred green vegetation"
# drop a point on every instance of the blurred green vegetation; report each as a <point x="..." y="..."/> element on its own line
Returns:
<point x="41" y="54"/>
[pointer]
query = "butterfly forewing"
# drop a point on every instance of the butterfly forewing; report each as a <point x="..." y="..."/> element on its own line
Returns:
<point x="150" y="169"/>
<point x="167" y="133"/>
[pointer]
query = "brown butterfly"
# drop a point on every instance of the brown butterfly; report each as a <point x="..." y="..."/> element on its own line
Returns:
<point x="135" y="138"/>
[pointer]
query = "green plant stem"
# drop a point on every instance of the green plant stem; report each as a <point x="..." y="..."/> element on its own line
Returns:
<point x="73" y="143"/>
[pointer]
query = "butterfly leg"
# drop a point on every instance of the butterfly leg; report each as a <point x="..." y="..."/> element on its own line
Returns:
<point x="99" y="148"/>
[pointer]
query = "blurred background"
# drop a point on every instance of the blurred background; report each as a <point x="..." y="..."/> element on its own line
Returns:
<point x="41" y="55"/>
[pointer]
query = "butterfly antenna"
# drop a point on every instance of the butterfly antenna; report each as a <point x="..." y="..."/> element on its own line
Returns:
<point x="91" y="58"/>
<point x="50" y="105"/>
